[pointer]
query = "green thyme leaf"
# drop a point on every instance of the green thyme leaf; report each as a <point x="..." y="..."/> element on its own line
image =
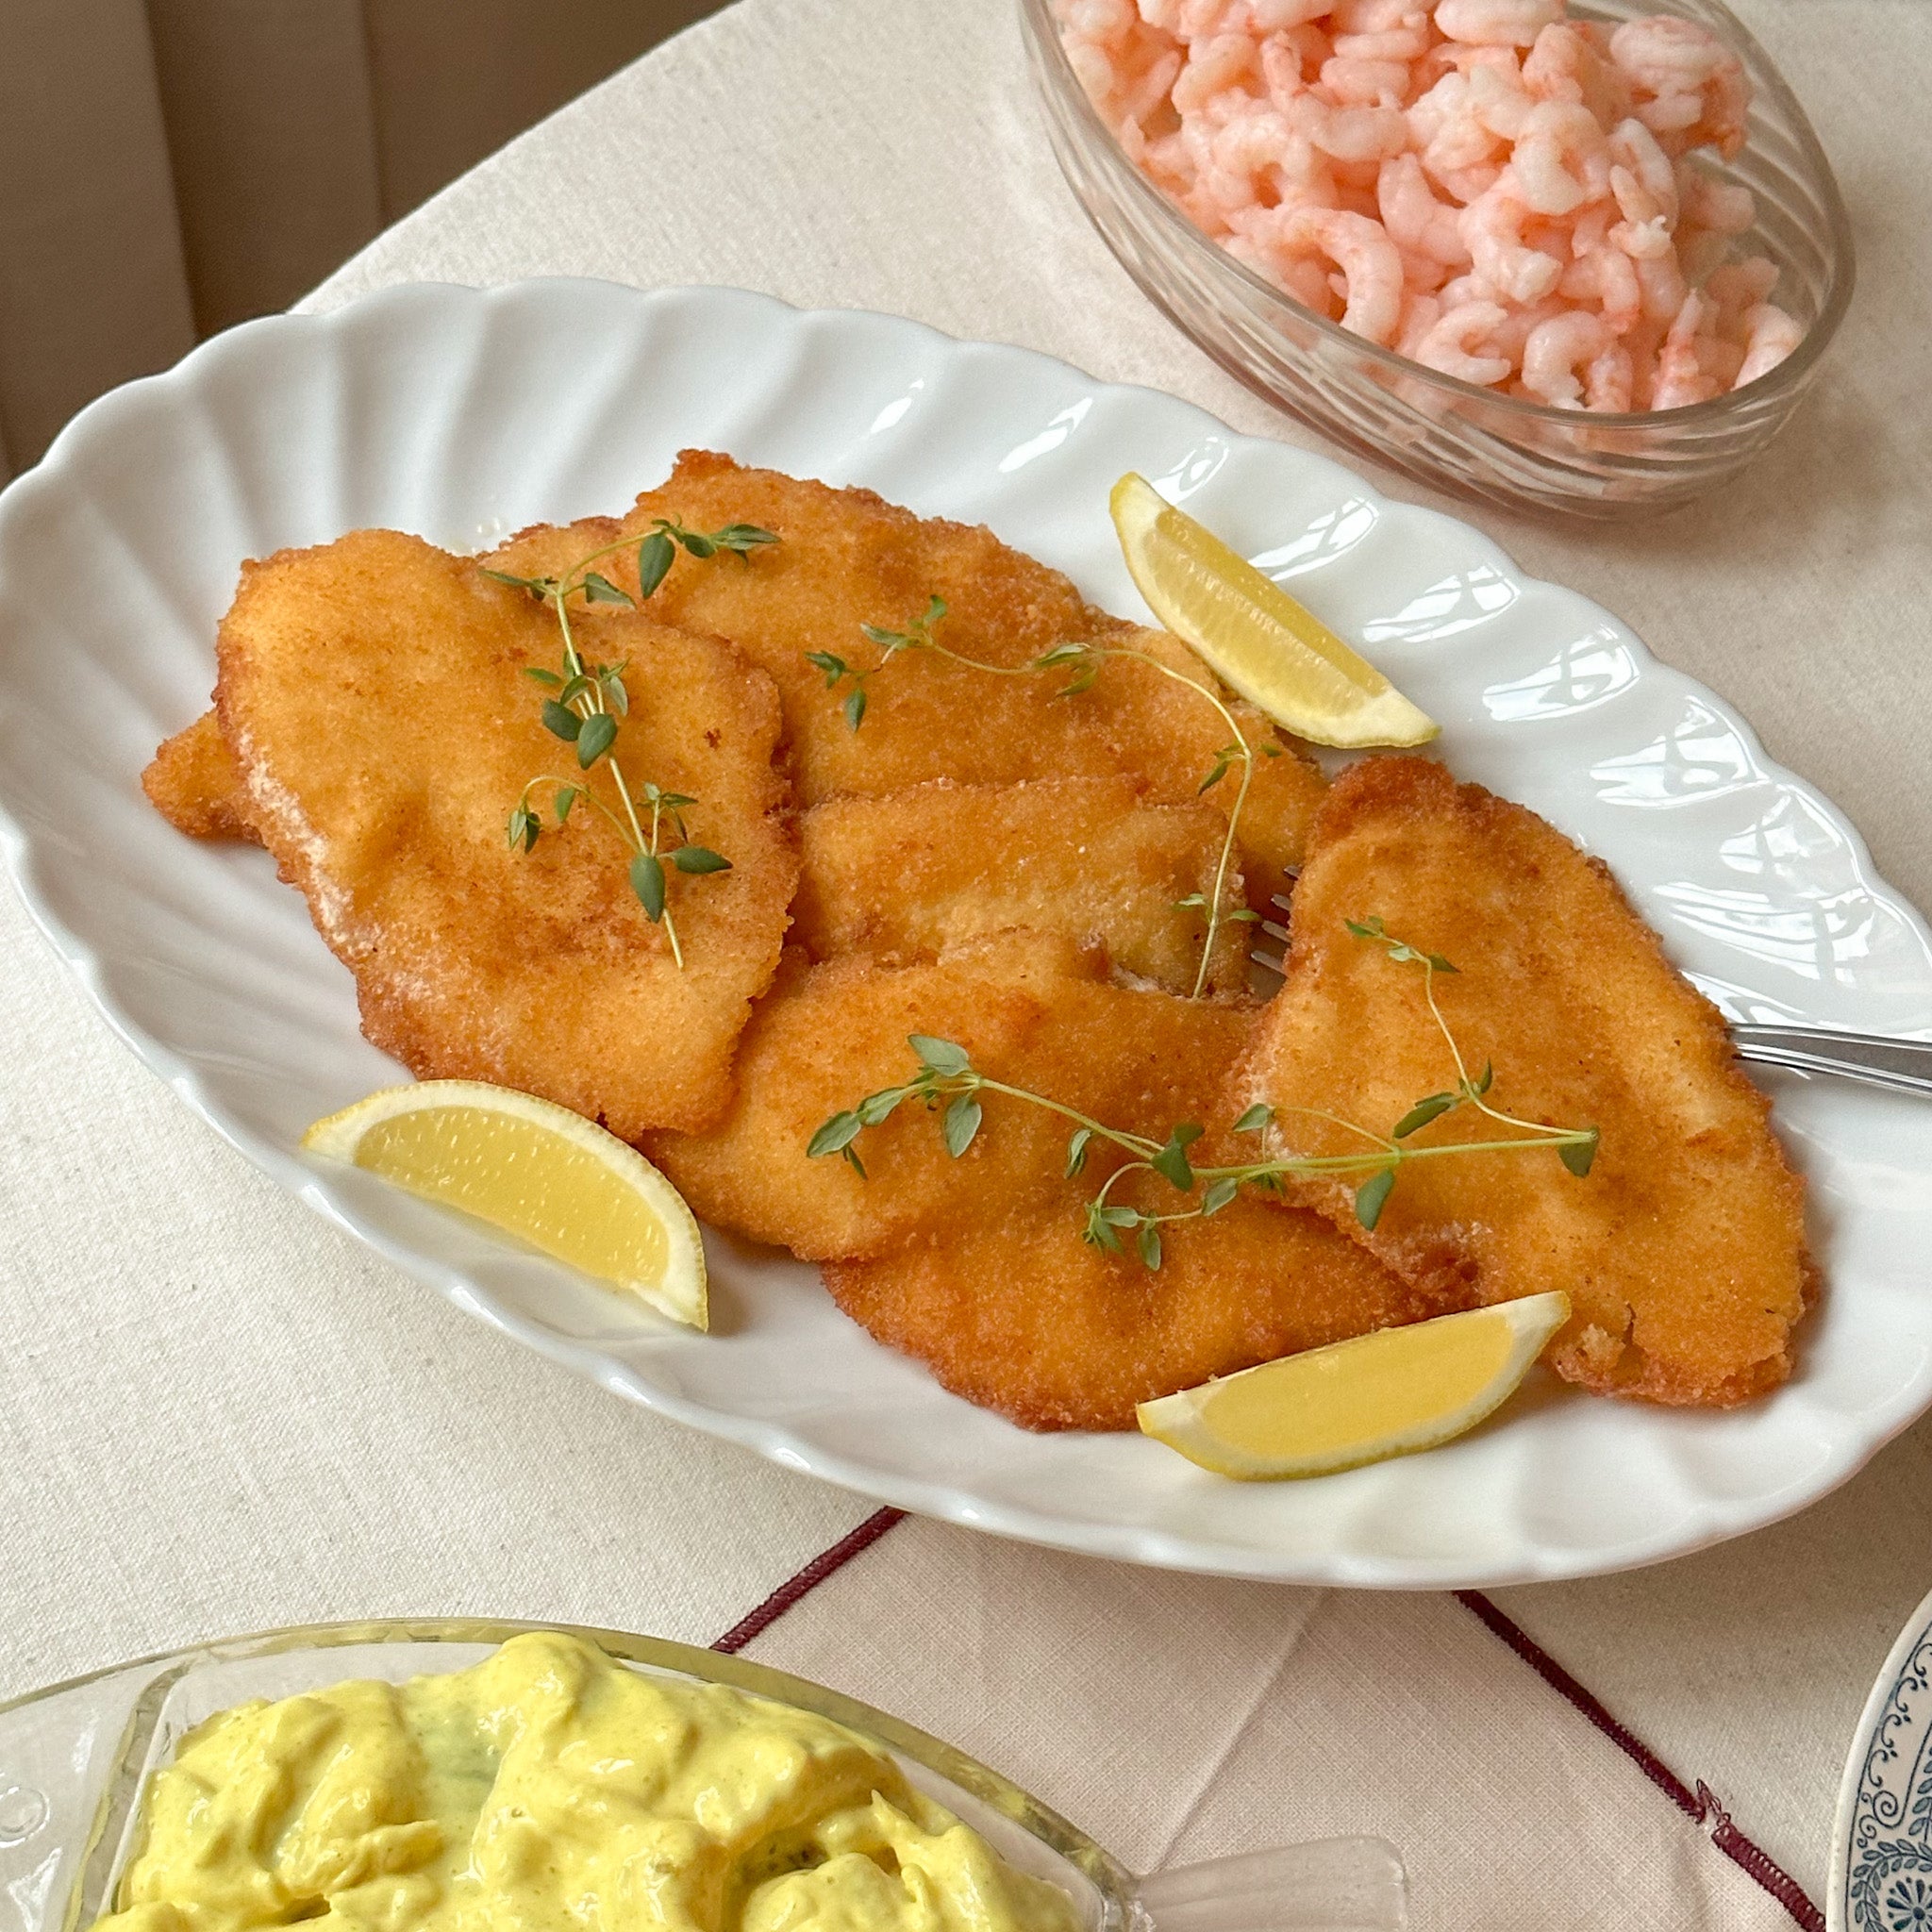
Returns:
<point x="1437" y="961"/>
<point x="1080" y="681"/>
<point x="1149" y="1245"/>
<point x="854" y="707"/>
<point x="1372" y="1195"/>
<point x="1060" y="654"/>
<point x="1241" y="915"/>
<point x="1194" y="901"/>
<point x="891" y="639"/>
<point x="656" y="554"/>
<point x="939" y="1056"/>
<point x="1218" y="1196"/>
<point x="1172" y="1163"/>
<point x="1101" y="1233"/>
<point x="961" y="1123"/>
<point x="850" y="1156"/>
<point x="1120" y="1217"/>
<point x="561" y="720"/>
<point x="533" y="585"/>
<point x="1365" y="929"/>
<point x="647" y="882"/>
<point x="596" y="736"/>
<point x="1077" y="1150"/>
<point x="877" y="1106"/>
<point x="1271" y="751"/>
<point x="833" y="667"/>
<point x="935" y="610"/>
<point x="834" y="1136"/>
<point x="699" y="859"/>
<point x="1254" y="1119"/>
<point x="574" y="688"/>
<point x="523" y="828"/>
<point x="1578" y="1155"/>
<point x="548" y="679"/>
<point x="1485" y="1077"/>
<point x="1421" y="1114"/>
<point x="741" y="538"/>
<point x="600" y="590"/>
<point x="610" y="682"/>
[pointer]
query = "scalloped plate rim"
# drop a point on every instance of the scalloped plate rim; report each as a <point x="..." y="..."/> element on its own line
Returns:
<point x="1713" y="1523"/>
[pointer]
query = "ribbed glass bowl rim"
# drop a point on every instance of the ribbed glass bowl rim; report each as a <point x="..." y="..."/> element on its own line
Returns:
<point x="1116" y="1884"/>
<point x="1789" y="375"/>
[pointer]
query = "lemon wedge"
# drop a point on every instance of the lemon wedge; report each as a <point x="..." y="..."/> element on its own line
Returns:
<point x="1252" y="633"/>
<point x="1380" y="1395"/>
<point x="536" y="1171"/>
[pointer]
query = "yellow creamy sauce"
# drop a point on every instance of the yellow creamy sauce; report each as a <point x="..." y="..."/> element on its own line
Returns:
<point x="550" y="1790"/>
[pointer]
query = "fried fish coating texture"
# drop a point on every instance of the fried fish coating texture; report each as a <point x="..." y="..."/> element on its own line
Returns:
<point x="191" y="781"/>
<point x="905" y="876"/>
<point x="976" y="1266"/>
<point x="1683" y="1251"/>
<point x="1019" y="1314"/>
<point x="372" y="693"/>
<point x="845" y="558"/>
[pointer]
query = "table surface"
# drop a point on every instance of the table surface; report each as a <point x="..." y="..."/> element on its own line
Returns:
<point x="223" y="1415"/>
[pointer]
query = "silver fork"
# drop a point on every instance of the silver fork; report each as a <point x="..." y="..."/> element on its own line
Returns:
<point x="1905" y="1066"/>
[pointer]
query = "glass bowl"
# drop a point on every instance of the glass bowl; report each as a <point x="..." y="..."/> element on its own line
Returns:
<point x="1527" y="456"/>
<point x="74" y="1757"/>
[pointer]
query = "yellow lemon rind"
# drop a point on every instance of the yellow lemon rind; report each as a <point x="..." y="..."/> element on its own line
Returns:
<point x="1177" y="1421"/>
<point x="683" y="1294"/>
<point x="1295" y="670"/>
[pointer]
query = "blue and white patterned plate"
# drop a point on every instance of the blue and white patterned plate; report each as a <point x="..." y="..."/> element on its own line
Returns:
<point x="1881" y="1864"/>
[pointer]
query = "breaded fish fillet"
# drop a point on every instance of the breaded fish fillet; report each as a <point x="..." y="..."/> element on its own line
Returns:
<point x="847" y="558"/>
<point x="371" y="693"/>
<point x="1683" y="1251"/>
<point x="828" y="1035"/>
<point x="909" y="873"/>
<point x="1019" y="1314"/>
<point x="976" y="1266"/>
<point x="192" y="779"/>
<point x="193" y="783"/>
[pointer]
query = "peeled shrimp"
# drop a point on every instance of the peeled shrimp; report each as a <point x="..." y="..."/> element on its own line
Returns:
<point x="1769" y="336"/>
<point x="1451" y="344"/>
<point x="1505" y="194"/>
<point x="1561" y="160"/>
<point x="1416" y="221"/>
<point x="1557" y="349"/>
<point x="1368" y="261"/>
<point x="1496" y="23"/>
<point x="1493" y="228"/>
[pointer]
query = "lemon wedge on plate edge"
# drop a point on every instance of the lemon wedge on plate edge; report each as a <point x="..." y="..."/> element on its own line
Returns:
<point x="1388" y="1393"/>
<point x="536" y="1171"/>
<point x="1252" y="633"/>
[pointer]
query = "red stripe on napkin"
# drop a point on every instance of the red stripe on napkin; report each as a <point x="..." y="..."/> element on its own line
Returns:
<point x="795" y="1588"/>
<point x="1699" y="1805"/>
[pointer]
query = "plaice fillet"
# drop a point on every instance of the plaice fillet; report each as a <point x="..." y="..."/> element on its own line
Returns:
<point x="371" y="693"/>
<point x="1683" y="1250"/>
<point x="974" y="1266"/>
<point x="906" y="875"/>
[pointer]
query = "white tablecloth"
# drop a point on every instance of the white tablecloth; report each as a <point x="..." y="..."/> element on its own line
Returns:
<point x="222" y="1414"/>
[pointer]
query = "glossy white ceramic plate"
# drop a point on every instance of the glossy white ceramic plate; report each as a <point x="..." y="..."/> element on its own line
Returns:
<point x="465" y="414"/>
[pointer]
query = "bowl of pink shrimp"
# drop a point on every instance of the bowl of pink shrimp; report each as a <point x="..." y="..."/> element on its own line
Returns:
<point x="1582" y="261"/>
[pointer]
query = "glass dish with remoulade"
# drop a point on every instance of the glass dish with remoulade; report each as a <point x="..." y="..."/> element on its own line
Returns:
<point x="424" y="1773"/>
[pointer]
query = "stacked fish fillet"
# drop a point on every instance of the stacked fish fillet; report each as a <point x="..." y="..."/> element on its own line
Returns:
<point x="987" y="862"/>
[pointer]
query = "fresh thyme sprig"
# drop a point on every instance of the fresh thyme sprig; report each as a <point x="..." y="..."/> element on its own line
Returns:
<point x="1080" y="666"/>
<point x="587" y="703"/>
<point x="948" y="1079"/>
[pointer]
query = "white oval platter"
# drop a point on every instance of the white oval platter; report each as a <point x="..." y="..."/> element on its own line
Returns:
<point x="464" y="414"/>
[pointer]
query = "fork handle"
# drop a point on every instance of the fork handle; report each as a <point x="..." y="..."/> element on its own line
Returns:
<point x="1902" y="1065"/>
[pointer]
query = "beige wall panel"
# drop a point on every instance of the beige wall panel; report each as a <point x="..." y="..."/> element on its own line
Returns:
<point x="272" y="140"/>
<point x="91" y="286"/>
